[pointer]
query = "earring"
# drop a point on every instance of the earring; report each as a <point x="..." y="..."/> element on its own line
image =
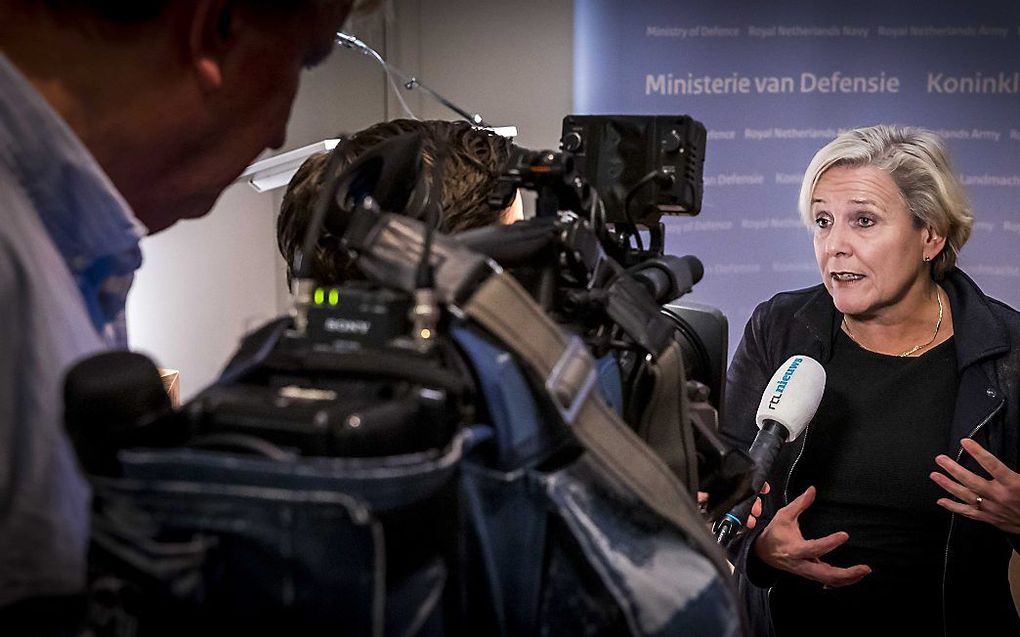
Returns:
<point x="926" y="258"/>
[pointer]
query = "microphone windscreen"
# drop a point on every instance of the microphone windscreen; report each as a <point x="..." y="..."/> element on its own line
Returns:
<point x="112" y="391"/>
<point x="697" y="268"/>
<point x="107" y="398"/>
<point x="791" y="398"/>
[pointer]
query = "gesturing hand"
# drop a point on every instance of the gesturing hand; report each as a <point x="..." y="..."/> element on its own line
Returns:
<point x="782" y="546"/>
<point x="995" y="501"/>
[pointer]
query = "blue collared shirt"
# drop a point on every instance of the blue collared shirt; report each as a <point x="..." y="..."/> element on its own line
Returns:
<point x="68" y="251"/>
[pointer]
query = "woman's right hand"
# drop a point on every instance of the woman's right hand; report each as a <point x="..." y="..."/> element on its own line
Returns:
<point x="782" y="547"/>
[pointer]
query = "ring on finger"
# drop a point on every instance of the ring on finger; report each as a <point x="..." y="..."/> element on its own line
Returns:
<point x="977" y="501"/>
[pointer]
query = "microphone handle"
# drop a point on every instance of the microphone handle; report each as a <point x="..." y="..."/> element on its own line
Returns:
<point x="770" y="439"/>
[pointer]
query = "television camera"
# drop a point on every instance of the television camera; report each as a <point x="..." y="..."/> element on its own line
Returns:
<point x="582" y="257"/>
<point x="383" y="379"/>
<point x="612" y="180"/>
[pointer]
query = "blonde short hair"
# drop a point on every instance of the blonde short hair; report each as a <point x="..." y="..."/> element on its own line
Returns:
<point x="917" y="161"/>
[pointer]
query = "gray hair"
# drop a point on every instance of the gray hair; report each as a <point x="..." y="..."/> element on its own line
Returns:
<point x="917" y="161"/>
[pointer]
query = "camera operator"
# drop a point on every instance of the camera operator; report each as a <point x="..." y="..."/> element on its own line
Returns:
<point x="474" y="160"/>
<point x="116" y="120"/>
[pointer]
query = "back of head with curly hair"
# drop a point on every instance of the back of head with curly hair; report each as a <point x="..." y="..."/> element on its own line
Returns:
<point x="473" y="160"/>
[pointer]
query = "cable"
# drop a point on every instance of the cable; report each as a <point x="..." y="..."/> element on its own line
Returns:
<point x="351" y="42"/>
<point x="644" y="181"/>
<point x="302" y="261"/>
<point x="597" y="213"/>
<point x="433" y="217"/>
<point x="348" y="41"/>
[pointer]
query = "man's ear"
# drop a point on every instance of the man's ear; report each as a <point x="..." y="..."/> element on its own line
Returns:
<point x="209" y="40"/>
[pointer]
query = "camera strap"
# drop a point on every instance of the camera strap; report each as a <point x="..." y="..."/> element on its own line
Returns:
<point x="661" y="425"/>
<point x="390" y="247"/>
<point x="506" y="309"/>
<point x="633" y="309"/>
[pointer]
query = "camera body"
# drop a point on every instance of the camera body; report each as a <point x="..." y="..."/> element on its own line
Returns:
<point x="357" y="371"/>
<point x="617" y="151"/>
<point x="359" y="449"/>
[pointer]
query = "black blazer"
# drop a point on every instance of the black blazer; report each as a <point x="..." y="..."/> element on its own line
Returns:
<point x="987" y="337"/>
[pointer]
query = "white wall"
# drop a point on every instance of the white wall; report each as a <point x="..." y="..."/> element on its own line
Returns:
<point x="205" y="282"/>
<point x="509" y="61"/>
<point x="202" y="283"/>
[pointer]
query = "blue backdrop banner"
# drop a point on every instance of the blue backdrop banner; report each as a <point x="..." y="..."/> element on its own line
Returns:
<point x="773" y="82"/>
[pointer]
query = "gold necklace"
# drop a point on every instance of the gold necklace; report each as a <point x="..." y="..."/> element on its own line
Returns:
<point x="938" y="324"/>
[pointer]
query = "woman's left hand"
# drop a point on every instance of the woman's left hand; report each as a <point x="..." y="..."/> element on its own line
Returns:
<point x="995" y="501"/>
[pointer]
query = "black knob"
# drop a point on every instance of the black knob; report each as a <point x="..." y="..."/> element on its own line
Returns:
<point x="572" y="142"/>
<point x="672" y="142"/>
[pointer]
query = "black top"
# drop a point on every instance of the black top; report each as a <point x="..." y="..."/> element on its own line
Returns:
<point x="868" y="452"/>
<point x="987" y="342"/>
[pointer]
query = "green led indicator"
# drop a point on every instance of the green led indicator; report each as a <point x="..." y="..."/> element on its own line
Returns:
<point x="320" y="296"/>
<point x="334" y="296"/>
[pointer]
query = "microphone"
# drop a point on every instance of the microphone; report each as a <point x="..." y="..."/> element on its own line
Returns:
<point x="788" y="404"/>
<point x="668" y="277"/>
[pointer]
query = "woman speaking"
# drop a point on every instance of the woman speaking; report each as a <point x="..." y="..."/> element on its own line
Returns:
<point x="900" y="504"/>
